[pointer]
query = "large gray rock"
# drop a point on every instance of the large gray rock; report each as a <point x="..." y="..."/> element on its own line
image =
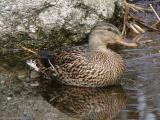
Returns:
<point x="55" y="22"/>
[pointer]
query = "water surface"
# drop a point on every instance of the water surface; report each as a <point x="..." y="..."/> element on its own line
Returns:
<point x="33" y="98"/>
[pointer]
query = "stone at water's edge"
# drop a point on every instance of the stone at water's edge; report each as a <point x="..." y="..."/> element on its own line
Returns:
<point x="55" y="22"/>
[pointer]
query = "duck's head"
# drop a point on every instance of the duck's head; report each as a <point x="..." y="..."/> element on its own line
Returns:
<point x="102" y="35"/>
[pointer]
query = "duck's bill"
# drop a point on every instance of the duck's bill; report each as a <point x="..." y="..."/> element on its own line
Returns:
<point x="121" y="41"/>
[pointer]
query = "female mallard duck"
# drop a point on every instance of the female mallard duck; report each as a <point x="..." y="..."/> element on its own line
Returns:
<point x="96" y="67"/>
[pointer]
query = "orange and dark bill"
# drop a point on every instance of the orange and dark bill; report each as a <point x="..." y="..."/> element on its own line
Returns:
<point x="120" y="41"/>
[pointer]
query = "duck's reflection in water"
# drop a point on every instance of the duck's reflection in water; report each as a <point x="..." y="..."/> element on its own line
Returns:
<point x="85" y="103"/>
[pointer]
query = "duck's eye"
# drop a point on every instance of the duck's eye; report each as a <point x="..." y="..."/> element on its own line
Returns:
<point x="113" y="30"/>
<point x="109" y="29"/>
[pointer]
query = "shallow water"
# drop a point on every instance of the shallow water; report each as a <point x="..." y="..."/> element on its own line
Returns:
<point x="33" y="98"/>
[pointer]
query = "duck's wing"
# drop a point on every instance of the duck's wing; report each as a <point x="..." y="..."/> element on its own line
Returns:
<point x="63" y="64"/>
<point x="66" y="64"/>
<point x="63" y="55"/>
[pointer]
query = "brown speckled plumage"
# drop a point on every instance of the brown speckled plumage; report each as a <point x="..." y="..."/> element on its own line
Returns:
<point x="95" y="67"/>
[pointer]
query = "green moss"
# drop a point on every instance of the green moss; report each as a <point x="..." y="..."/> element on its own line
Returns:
<point x="117" y="18"/>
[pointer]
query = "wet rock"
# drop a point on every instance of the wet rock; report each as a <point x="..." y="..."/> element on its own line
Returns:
<point x="53" y="21"/>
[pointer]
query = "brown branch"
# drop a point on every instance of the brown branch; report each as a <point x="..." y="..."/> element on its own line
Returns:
<point x="27" y="49"/>
<point x="141" y="30"/>
<point x="133" y="28"/>
<point x="149" y="27"/>
<point x="135" y="7"/>
<point x="141" y="22"/>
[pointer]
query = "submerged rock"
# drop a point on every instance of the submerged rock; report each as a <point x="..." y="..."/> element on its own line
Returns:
<point x="53" y="23"/>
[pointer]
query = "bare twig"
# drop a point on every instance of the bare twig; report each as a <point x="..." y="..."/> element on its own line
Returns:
<point x="141" y="22"/>
<point x="131" y="20"/>
<point x="124" y="28"/>
<point x="155" y="12"/>
<point x="137" y="38"/>
<point x="124" y="24"/>
<point x="27" y="49"/>
<point x="133" y="28"/>
<point x="136" y="8"/>
<point x="155" y="24"/>
<point x="138" y="28"/>
<point x="149" y="27"/>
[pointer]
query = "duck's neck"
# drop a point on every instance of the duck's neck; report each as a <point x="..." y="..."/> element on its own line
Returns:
<point x="95" y="44"/>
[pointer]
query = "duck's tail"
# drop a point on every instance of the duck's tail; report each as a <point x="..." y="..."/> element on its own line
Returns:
<point x="44" y="61"/>
<point x="44" y="64"/>
<point x="33" y="64"/>
<point x="46" y="57"/>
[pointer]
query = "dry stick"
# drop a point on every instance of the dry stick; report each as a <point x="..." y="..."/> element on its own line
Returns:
<point x="155" y="12"/>
<point x="141" y="22"/>
<point x="124" y="28"/>
<point x="124" y="24"/>
<point x="138" y="28"/>
<point x="137" y="38"/>
<point x="133" y="28"/>
<point x="136" y="8"/>
<point x="155" y="24"/>
<point x="156" y="15"/>
<point x="149" y="27"/>
<point x="126" y="9"/>
<point x="29" y="50"/>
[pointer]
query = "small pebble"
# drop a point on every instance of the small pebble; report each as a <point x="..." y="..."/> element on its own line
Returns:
<point x="2" y="82"/>
<point x="9" y="98"/>
<point x="35" y="84"/>
<point x="32" y="29"/>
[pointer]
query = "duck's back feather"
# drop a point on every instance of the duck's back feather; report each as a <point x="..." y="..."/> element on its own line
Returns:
<point x="77" y="67"/>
